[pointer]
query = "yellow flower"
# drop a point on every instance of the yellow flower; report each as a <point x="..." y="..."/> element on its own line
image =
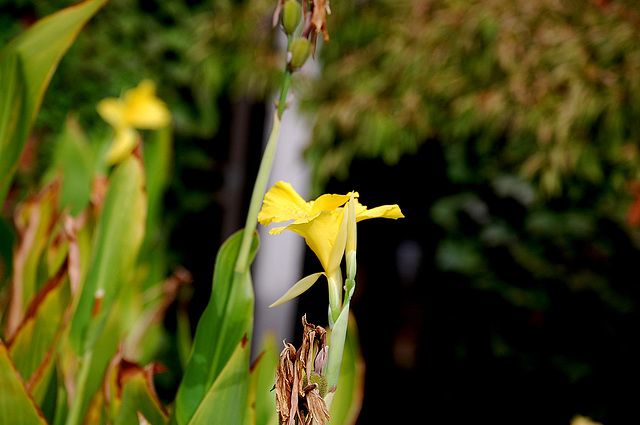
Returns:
<point x="137" y="108"/>
<point x="320" y="222"/>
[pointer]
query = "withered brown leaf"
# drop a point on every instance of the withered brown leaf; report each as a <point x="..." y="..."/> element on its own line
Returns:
<point x="296" y="397"/>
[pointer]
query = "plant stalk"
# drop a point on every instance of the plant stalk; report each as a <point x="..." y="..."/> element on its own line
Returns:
<point x="262" y="179"/>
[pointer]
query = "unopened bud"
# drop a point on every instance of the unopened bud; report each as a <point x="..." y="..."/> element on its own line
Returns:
<point x="291" y="13"/>
<point x="299" y="52"/>
<point x="352" y="265"/>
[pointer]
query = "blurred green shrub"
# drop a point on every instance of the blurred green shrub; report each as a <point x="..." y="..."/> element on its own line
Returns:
<point x="544" y="89"/>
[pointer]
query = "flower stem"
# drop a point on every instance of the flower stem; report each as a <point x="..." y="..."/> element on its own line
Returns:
<point x="282" y="103"/>
<point x="259" y="189"/>
<point x="286" y="82"/>
<point x="260" y="186"/>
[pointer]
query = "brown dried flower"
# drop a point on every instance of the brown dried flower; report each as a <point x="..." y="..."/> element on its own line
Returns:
<point x="320" y="9"/>
<point x="299" y="380"/>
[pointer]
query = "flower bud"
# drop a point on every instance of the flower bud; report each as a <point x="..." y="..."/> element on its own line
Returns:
<point x="291" y="13"/>
<point x="299" y="52"/>
<point x="352" y="265"/>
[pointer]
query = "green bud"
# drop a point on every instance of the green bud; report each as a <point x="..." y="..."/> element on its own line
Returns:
<point x="291" y="13"/>
<point x="299" y="52"/>
<point x="352" y="265"/>
<point x="321" y="380"/>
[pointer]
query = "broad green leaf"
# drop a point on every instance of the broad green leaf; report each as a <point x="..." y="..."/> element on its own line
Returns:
<point x="226" y="400"/>
<point x="347" y="400"/>
<point x="227" y="319"/>
<point x="26" y="67"/>
<point x="16" y="406"/>
<point x="118" y="238"/>
<point x="35" y="341"/>
<point x="34" y="221"/>
<point x="262" y="400"/>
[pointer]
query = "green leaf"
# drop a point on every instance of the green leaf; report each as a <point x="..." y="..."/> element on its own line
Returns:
<point x="16" y="406"/>
<point x="347" y="400"/>
<point x="13" y="111"/>
<point x="226" y="400"/>
<point x="262" y="400"/>
<point x="73" y="161"/>
<point x="227" y="320"/>
<point x="26" y="67"/>
<point x="118" y="238"/>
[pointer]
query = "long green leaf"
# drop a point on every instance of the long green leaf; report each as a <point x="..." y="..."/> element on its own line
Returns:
<point x="16" y="406"/>
<point x="262" y="400"/>
<point x="13" y="113"/>
<point x="118" y="239"/>
<point x="26" y="67"/>
<point x="227" y="319"/>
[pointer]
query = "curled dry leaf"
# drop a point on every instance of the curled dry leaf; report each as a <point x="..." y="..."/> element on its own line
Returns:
<point x="320" y="9"/>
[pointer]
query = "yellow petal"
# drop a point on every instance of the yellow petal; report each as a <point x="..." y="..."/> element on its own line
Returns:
<point x="112" y="111"/>
<point x="282" y="203"/>
<point x="143" y="109"/>
<point x="385" y="211"/>
<point x="123" y="143"/>
<point x="320" y="234"/>
<point x="330" y="202"/>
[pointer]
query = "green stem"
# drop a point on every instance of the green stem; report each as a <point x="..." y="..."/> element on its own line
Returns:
<point x="282" y="103"/>
<point x="256" y="197"/>
<point x="75" y="411"/>
<point x="286" y="82"/>
<point x="262" y="179"/>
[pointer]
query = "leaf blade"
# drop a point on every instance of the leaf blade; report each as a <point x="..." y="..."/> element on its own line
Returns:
<point x="29" y="67"/>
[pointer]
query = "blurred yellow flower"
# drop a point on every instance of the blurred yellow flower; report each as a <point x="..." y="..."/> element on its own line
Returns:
<point x="137" y="108"/>
<point x="583" y="420"/>
<point x="320" y="222"/>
